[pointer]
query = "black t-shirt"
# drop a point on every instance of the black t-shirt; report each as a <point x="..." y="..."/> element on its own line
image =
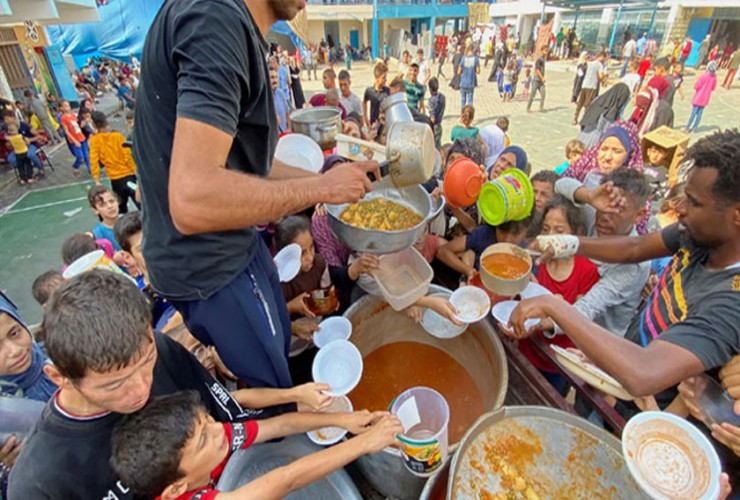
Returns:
<point x="539" y="65"/>
<point x="375" y="97"/>
<point x="69" y="458"/>
<point x="204" y="60"/>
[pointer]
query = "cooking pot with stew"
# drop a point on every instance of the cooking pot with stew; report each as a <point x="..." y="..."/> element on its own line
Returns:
<point x="322" y="124"/>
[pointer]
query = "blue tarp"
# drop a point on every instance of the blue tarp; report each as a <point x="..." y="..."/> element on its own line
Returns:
<point x="122" y="30"/>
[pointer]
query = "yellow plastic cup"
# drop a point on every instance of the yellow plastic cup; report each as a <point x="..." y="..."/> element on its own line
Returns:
<point x="509" y="197"/>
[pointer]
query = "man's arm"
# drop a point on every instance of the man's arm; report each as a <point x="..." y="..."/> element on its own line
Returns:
<point x="642" y="371"/>
<point x="288" y="424"/>
<point x="281" y="171"/>
<point x="204" y="196"/>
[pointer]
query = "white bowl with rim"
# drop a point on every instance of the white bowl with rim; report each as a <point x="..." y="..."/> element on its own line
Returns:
<point x="472" y="304"/>
<point x="339" y="365"/>
<point x="331" y="330"/>
<point x="327" y="436"/>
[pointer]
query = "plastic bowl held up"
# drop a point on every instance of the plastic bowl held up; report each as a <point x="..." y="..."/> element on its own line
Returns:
<point x="331" y="330"/>
<point x="462" y="183"/>
<point x="300" y="151"/>
<point x="403" y="278"/>
<point x="339" y="364"/>
<point x="504" y="286"/>
<point x="471" y="302"/>
<point x="327" y="436"/>
<point x="508" y="197"/>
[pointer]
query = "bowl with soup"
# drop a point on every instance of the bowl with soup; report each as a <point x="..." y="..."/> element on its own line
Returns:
<point x="505" y="269"/>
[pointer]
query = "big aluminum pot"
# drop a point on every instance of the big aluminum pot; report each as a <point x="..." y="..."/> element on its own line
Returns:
<point x="322" y="124"/>
<point x="410" y="151"/>
<point x="382" y="242"/>
<point x="557" y="454"/>
<point x="478" y="349"/>
<point x="396" y="109"/>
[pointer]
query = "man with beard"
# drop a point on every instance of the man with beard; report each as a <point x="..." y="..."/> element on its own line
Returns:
<point x="690" y="322"/>
<point x="204" y="141"/>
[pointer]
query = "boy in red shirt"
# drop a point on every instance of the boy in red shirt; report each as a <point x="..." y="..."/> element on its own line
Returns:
<point x="173" y="449"/>
<point x="75" y="138"/>
<point x="643" y="69"/>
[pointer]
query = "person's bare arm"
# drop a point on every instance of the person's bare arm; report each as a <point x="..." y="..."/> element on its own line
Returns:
<point x="642" y="371"/>
<point x="280" y="482"/>
<point x="463" y="218"/>
<point x="309" y="395"/>
<point x="204" y="196"/>
<point x="449" y="254"/>
<point x="288" y="424"/>
<point x="281" y="171"/>
<point x="624" y="249"/>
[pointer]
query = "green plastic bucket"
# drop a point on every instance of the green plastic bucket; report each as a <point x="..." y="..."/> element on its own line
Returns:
<point x="509" y="197"/>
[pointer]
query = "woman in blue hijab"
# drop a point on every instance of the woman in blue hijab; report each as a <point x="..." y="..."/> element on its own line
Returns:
<point x="511" y="157"/>
<point x="21" y="359"/>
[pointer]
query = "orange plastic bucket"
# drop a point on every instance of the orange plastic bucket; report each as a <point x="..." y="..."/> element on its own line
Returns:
<point x="509" y="197"/>
<point x="462" y="183"/>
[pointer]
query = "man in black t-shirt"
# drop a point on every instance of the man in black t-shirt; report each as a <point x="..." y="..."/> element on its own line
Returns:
<point x="107" y="362"/>
<point x="690" y="323"/>
<point x="374" y="95"/>
<point x="204" y="142"/>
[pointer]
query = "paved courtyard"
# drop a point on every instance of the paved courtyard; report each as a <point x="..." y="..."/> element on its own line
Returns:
<point x="38" y="219"/>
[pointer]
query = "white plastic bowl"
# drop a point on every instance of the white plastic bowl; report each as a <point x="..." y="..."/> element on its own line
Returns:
<point x="288" y="262"/>
<point x="339" y="365"/>
<point x="331" y="330"/>
<point x="300" y="151"/>
<point x="471" y="302"/>
<point x="327" y="436"/>
<point x="534" y="290"/>
<point x="662" y="451"/>
<point x="502" y="312"/>
<point x="439" y="326"/>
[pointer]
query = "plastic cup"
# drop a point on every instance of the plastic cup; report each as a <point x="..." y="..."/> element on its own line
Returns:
<point x="90" y="261"/>
<point x="425" y="416"/>
<point x="331" y="330"/>
<point x="509" y="197"/>
<point x="339" y="365"/>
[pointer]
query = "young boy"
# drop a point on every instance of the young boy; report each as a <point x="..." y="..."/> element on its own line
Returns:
<point x="437" y="105"/>
<point x="374" y="95"/>
<point x="503" y="123"/>
<point x="104" y="204"/>
<point x="130" y="119"/>
<point x="543" y="185"/>
<point x="44" y="286"/>
<point x="414" y="89"/>
<point x="642" y="70"/>
<point x="632" y="79"/>
<point x="172" y="449"/>
<point x="20" y="147"/>
<point x="573" y="150"/>
<point x="106" y="148"/>
<point x="75" y="138"/>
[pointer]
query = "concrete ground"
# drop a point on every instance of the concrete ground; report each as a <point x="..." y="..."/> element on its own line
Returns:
<point x="32" y="230"/>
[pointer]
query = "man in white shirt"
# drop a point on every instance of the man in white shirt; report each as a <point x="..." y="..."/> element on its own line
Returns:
<point x="595" y="74"/>
<point x="350" y="101"/>
<point x="424" y="72"/>
<point x="628" y="52"/>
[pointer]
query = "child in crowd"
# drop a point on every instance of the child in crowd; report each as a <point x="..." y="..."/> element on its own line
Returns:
<point x="667" y="213"/>
<point x="130" y="115"/>
<point x="437" y="105"/>
<point x="80" y="244"/>
<point x="313" y="276"/>
<point x="527" y="83"/>
<point x="86" y="124"/>
<point x="463" y="253"/>
<point x="632" y="79"/>
<point x="509" y="80"/>
<point x="104" y="204"/>
<point x="642" y="70"/>
<point x="75" y="138"/>
<point x="543" y="184"/>
<point x="503" y="123"/>
<point x="45" y="285"/>
<point x="569" y="278"/>
<point x="20" y="147"/>
<point x="465" y="129"/>
<point x="106" y="148"/>
<point x="173" y="449"/>
<point x="573" y="150"/>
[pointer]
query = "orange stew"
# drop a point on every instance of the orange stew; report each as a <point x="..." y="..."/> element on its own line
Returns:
<point x="505" y="265"/>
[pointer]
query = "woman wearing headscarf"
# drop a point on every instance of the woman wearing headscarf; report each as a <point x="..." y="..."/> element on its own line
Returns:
<point x="618" y="147"/>
<point x="704" y="87"/>
<point x="511" y="157"/>
<point x="495" y="141"/>
<point x="602" y="113"/>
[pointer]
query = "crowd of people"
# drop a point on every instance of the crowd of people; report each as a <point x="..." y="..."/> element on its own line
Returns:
<point x="154" y="375"/>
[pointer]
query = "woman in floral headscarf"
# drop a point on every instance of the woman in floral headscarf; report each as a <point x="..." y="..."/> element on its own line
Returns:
<point x="600" y="160"/>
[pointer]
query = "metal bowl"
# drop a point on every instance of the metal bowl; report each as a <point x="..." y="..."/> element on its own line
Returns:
<point x="382" y="242"/>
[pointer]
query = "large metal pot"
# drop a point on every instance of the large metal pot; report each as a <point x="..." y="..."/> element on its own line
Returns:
<point x="382" y="242"/>
<point x="396" y="109"/>
<point x="410" y="149"/>
<point x="321" y="124"/>
<point x="557" y="454"/>
<point x="479" y="350"/>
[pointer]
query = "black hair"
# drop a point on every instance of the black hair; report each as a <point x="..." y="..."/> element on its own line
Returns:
<point x="518" y="226"/>
<point x="6" y="112"/>
<point x="663" y="62"/>
<point x="545" y="176"/>
<point x="433" y="84"/>
<point x="414" y="65"/>
<point x="344" y="75"/>
<point x="470" y="148"/>
<point x="573" y="214"/>
<point x="289" y="228"/>
<point x="147" y="446"/>
<point x="97" y="320"/>
<point x="125" y="227"/>
<point x="45" y="285"/>
<point x="95" y="195"/>
<point x="99" y="119"/>
<point x="27" y="93"/>
<point x="721" y="152"/>
<point x="633" y="183"/>
<point x="76" y="246"/>
<point x="398" y="84"/>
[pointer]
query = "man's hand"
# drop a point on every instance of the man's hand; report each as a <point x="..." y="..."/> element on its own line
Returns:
<point x="304" y="328"/>
<point x="728" y="435"/>
<point x="359" y="422"/>
<point x="349" y="182"/>
<point x="535" y="308"/>
<point x="729" y="375"/>
<point x="605" y="198"/>
<point x="10" y="450"/>
<point x="298" y="305"/>
<point x="558" y="246"/>
<point x="443" y="307"/>
<point x="366" y="264"/>
<point x="382" y="434"/>
<point x="311" y="397"/>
